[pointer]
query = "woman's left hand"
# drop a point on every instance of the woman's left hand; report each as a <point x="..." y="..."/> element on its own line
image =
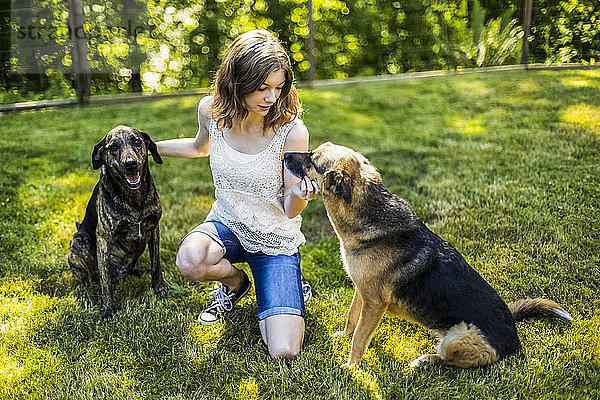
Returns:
<point x="306" y="189"/>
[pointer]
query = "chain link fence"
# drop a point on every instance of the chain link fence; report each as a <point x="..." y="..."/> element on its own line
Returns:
<point x="161" y="46"/>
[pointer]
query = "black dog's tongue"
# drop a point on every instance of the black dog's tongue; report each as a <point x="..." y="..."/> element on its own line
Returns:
<point x="133" y="178"/>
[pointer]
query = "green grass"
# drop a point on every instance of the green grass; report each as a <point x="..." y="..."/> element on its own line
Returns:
<point x="505" y="166"/>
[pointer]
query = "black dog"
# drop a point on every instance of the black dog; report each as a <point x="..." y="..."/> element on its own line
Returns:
<point x="121" y="217"/>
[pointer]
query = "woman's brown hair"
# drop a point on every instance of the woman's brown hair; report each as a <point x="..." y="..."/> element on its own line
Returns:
<point x="246" y="65"/>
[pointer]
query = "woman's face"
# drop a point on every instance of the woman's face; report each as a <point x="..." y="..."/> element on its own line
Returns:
<point x="260" y="101"/>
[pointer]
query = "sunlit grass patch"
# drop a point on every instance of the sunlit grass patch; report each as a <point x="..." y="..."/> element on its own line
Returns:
<point x="189" y="102"/>
<point x="23" y="312"/>
<point x="403" y="340"/>
<point x="248" y="389"/>
<point x="583" y="115"/>
<point x="577" y="82"/>
<point x="208" y="336"/>
<point x="366" y="379"/>
<point x="591" y="73"/>
<point x="63" y="198"/>
<point x="527" y="86"/>
<point x="10" y="369"/>
<point x="474" y="87"/>
<point x="562" y="343"/>
<point x="24" y="366"/>
<point x="466" y="126"/>
<point x="583" y="79"/>
<point x="49" y="207"/>
<point x="22" y="308"/>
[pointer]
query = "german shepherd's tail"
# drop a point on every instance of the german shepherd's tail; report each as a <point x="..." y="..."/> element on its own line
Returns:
<point x="537" y="308"/>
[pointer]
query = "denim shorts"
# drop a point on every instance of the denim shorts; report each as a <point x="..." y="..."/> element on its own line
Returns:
<point x="277" y="280"/>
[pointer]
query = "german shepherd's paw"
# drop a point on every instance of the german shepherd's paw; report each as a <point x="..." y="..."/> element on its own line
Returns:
<point x="425" y="360"/>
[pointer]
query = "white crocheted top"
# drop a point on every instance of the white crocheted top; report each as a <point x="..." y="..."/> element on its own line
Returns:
<point x="249" y="193"/>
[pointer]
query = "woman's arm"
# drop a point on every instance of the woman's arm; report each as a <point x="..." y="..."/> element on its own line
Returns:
<point x="297" y="140"/>
<point x="190" y="147"/>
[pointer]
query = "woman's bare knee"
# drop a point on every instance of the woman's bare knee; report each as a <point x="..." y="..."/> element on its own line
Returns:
<point x="191" y="264"/>
<point x="196" y="256"/>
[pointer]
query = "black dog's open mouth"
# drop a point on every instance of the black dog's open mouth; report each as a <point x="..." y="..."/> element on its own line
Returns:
<point x="133" y="179"/>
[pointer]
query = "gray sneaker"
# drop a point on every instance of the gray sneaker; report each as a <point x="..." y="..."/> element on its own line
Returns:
<point x="223" y="301"/>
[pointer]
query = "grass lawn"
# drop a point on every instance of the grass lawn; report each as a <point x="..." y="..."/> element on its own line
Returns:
<point x="505" y="166"/>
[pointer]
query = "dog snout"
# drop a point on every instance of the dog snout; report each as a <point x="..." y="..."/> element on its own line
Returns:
<point x="290" y="157"/>
<point x="294" y="162"/>
<point x="130" y="164"/>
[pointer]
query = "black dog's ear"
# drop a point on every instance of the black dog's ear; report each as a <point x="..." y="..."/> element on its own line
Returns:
<point x="97" y="159"/>
<point x="152" y="147"/>
<point x="339" y="182"/>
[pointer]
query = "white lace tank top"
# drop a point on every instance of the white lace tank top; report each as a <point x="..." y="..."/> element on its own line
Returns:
<point x="249" y="195"/>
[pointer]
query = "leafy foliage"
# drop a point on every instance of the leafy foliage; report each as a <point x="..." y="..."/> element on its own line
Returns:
<point x="566" y="31"/>
<point x="180" y="42"/>
<point x="470" y="39"/>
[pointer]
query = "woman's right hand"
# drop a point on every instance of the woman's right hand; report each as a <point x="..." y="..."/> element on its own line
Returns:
<point x="306" y="189"/>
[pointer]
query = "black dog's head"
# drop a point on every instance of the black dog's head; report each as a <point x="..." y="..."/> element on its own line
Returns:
<point x="124" y="151"/>
<point x="338" y="170"/>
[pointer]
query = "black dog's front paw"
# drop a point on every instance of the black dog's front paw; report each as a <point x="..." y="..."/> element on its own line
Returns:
<point x="107" y="311"/>
<point x="161" y="289"/>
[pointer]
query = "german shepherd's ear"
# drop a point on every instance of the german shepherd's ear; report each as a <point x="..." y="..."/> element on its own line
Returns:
<point x="97" y="154"/>
<point x="152" y="147"/>
<point x="339" y="182"/>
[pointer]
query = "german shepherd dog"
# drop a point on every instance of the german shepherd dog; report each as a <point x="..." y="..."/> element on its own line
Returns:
<point x="121" y="217"/>
<point x="398" y="265"/>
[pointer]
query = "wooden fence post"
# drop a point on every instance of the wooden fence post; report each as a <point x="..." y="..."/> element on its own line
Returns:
<point x="79" y="51"/>
<point x="310" y="45"/>
<point x="5" y="15"/>
<point x="526" y="28"/>
<point x="129" y="13"/>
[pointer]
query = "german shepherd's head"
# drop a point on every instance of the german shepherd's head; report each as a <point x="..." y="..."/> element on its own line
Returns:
<point x="340" y="172"/>
<point x="124" y="153"/>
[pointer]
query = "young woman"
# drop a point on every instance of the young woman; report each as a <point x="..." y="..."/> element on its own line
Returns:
<point x="247" y="124"/>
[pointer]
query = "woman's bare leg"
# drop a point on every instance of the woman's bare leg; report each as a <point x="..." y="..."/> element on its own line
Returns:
<point x="283" y="334"/>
